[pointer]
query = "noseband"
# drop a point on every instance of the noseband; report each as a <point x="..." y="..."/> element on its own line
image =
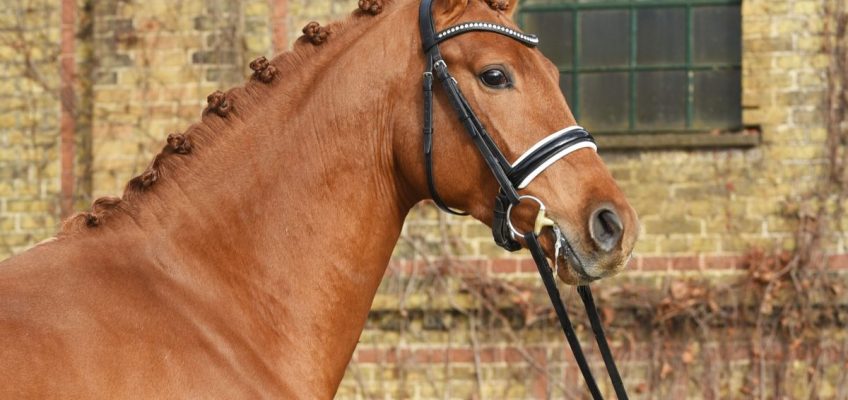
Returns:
<point x="511" y="177"/>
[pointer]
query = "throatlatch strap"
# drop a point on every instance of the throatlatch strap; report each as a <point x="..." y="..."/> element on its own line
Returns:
<point x="592" y="311"/>
<point x="428" y="144"/>
<point x="564" y="321"/>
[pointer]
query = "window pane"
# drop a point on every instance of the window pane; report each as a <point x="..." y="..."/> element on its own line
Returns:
<point x="566" y="86"/>
<point x="603" y="101"/>
<point x="718" y="101"/>
<point x="555" y="31"/>
<point x="662" y="36"/>
<point x="608" y="75"/>
<point x="546" y="2"/>
<point x="717" y="35"/>
<point x="661" y="102"/>
<point x="605" y="38"/>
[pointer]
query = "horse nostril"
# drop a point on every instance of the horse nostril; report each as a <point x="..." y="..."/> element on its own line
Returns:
<point x="605" y="228"/>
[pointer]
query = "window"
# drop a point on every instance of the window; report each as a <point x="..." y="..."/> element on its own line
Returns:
<point x="644" y="65"/>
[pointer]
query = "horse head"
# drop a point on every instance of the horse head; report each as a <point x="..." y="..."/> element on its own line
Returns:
<point x="515" y="92"/>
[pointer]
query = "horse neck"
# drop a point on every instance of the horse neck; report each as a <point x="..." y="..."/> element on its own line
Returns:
<point x="293" y="213"/>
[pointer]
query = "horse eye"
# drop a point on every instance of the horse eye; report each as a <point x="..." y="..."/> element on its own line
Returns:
<point x="495" y="78"/>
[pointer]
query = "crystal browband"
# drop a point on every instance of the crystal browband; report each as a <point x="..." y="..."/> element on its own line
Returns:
<point x="529" y="40"/>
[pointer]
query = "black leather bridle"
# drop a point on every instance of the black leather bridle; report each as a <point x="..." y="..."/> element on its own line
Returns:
<point x="511" y="177"/>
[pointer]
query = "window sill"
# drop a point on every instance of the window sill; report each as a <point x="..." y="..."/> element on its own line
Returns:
<point x="678" y="141"/>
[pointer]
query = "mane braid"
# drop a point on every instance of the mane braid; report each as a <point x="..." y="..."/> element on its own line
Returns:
<point x="223" y="110"/>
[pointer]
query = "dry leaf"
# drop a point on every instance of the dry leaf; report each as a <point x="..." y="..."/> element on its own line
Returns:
<point x="666" y="370"/>
<point x="679" y="290"/>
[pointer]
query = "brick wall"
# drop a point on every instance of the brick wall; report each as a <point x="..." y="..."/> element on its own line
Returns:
<point x="157" y="62"/>
<point x="29" y="115"/>
<point x="724" y="202"/>
<point x="149" y="65"/>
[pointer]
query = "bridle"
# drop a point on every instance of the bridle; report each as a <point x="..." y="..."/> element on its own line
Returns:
<point x="512" y="177"/>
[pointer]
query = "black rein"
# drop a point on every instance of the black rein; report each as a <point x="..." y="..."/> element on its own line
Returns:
<point x="509" y="178"/>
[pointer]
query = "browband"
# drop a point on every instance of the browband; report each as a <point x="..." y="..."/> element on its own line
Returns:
<point x="429" y="37"/>
<point x="479" y="26"/>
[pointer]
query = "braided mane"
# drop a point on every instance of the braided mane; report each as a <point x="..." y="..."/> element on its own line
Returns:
<point x="223" y="109"/>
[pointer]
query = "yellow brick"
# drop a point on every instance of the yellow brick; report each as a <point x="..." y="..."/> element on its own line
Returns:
<point x="7" y="224"/>
<point x="756" y="8"/>
<point x="789" y="26"/>
<point x="776" y="7"/>
<point x="52" y="170"/>
<point x="795" y="152"/>
<point x="8" y="120"/>
<point x="818" y="134"/>
<point x="674" y="244"/>
<point x="110" y="95"/>
<point x="29" y="205"/>
<point x="791" y="62"/>
<point x="16" y="239"/>
<point x="813" y="26"/>
<point x="756" y="28"/>
<point x="257" y="44"/>
<point x="647" y="244"/>
<point x="256" y="8"/>
<point x="172" y="75"/>
<point x="809" y="43"/>
<point x="820" y="61"/>
<point x="702" y="244"/>
<point x="166" y="58"/>
<point x="811" y="78"/>
<point x="30" y="222"/>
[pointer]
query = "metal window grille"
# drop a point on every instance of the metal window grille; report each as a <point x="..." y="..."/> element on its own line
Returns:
<point x="645" y="65"/>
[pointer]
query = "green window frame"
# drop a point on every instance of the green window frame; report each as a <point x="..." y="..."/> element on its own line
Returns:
<point x="703" y="85"/>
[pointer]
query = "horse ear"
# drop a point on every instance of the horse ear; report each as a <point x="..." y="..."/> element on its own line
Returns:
<point x="511" y="7"/>
<point x="447" y="12"/>
<point x="508" y="7"/>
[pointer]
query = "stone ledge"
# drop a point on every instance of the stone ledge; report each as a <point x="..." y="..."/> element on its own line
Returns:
<point x="708" y="140"/>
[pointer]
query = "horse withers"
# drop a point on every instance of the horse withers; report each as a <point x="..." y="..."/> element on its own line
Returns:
<point x="243" y="261"/>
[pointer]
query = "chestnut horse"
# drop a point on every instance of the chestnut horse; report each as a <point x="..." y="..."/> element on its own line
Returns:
<point x="242" y="263"/>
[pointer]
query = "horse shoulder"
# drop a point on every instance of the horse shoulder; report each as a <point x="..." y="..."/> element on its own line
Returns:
<point x="77" y="320"/>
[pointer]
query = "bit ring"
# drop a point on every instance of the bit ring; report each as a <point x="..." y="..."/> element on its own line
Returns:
<point x="541" y="219"/>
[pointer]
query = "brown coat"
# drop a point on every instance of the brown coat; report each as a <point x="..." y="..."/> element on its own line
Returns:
<point x="243" y="262"/>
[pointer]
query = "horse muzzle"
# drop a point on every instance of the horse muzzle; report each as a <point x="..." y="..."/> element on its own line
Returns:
<point x="604" y="254"/>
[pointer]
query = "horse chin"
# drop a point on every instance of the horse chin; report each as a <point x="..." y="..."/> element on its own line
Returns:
<point x="576" y="270"/>
<point x="569" y="273"/>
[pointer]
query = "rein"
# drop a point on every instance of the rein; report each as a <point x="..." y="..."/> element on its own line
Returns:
<point x="512" y="177"/>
